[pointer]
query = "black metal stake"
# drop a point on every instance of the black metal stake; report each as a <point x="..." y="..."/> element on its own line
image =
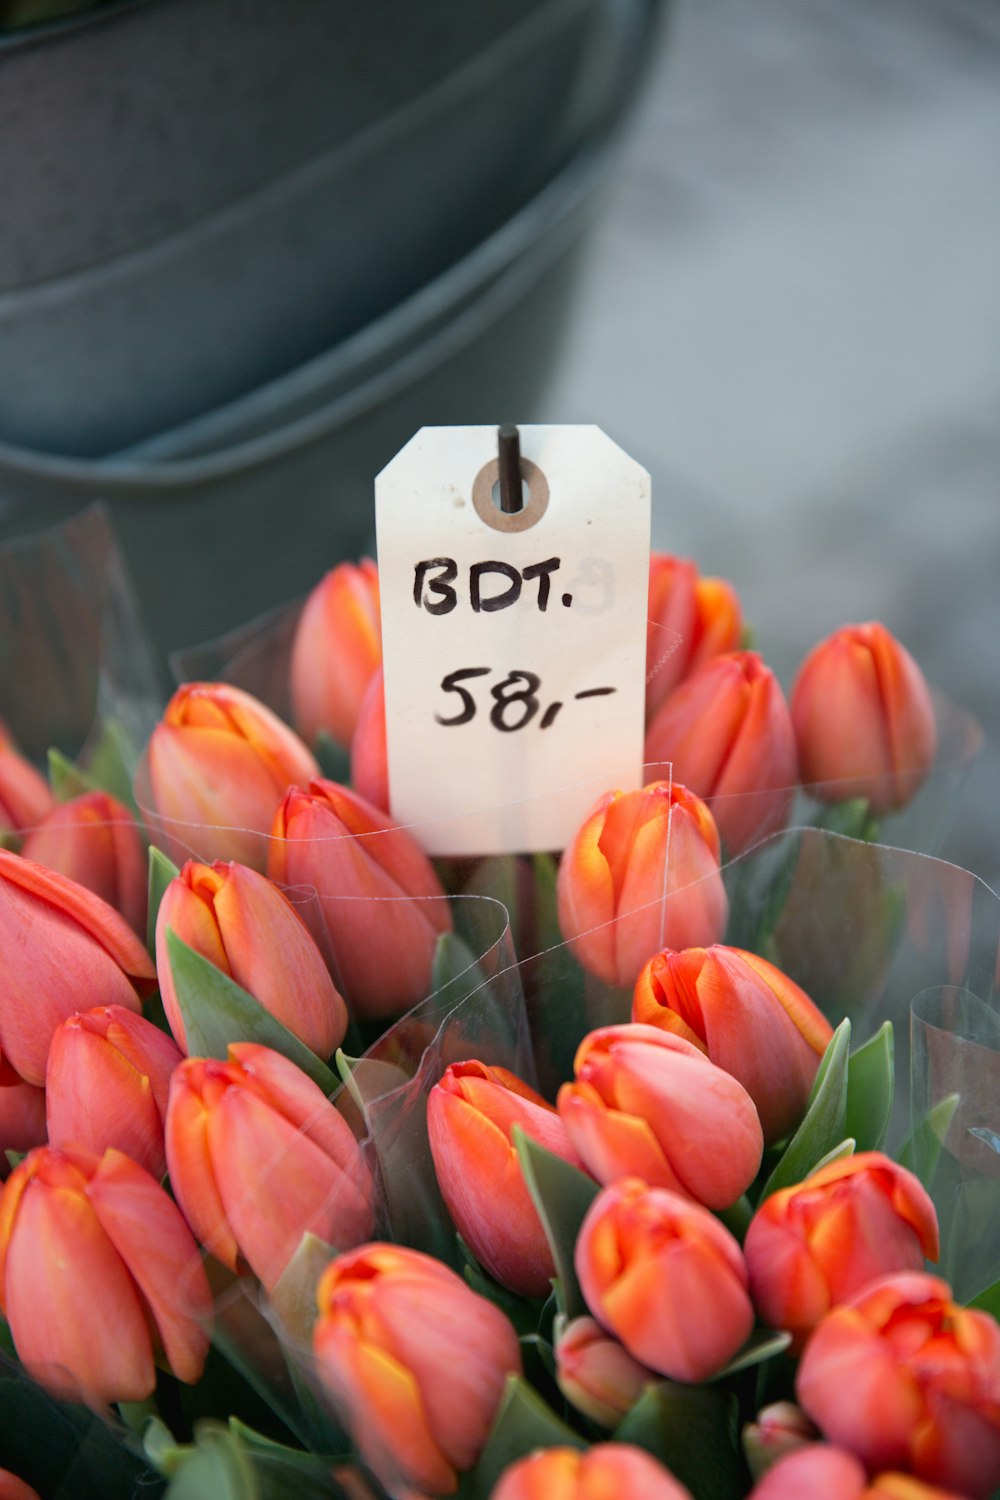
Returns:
<point x="509" y="468"/>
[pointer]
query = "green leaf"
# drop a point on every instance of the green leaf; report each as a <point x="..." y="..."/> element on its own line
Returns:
<point x="852" y="818"/>
<point x="843" y="1148"/>
<point x="562" y="1194"/>
<point x="216" y="1011"/>
<point x="988" y="1301"/>
<point x="824" y="1125"/>
<point x="763" y="1343"/>
<point x="278" y="1456"/>
<point x="161" y="872"/>
<point x="217" y="1467"/>
<point x="693" y="1429"/>
<point x="870" y="1076"/>
<point x="921" y="1149"/>
<point x="454" y="964"/>
<point x="522" y="1424"/>
<point x="67" y="780"/>
<point x="111" y="760"/>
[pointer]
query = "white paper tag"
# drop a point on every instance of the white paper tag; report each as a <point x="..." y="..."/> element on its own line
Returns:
<point x="514" y="646"/>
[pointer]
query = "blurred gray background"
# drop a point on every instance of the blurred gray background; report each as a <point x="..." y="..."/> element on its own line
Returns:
<point x="791" y="316"/>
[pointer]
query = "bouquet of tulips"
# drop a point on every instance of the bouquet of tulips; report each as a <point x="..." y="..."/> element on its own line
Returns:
<point x="332" y="1171"/>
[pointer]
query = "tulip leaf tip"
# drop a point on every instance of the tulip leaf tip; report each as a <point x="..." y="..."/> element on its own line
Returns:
<point x="562" y="1194"/>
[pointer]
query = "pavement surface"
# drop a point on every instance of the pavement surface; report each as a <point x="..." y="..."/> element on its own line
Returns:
<point x="791" y="316"/>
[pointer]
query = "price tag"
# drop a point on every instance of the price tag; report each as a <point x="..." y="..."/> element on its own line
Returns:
<point x="514" y="645"/>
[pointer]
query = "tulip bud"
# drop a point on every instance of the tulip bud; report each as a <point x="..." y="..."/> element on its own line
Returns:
<point x="812" y="1246"/>
<point x="666" y="1278"/>
<point x="641" y="874"/>
<point x="64" y="950"/>
<point x="25" y="797"/>
<point x="12" y="1488"/>
<point x="814" y="1471"/>
<point x="596" y="1473"/>
<point x="415" y="1363"/>
<point x="470" y="1115"/>
<point x="258" y="1155"/>
<point x="99" y="1276"/>
<point x="745" y="1015"/>
<point x="22" y="1113"/>
<point x="107" y="1084"/>
<point x="337" y="647"/>
<point x="779" y="1429"/>
<point x="94" y="840"/>
<point x="596" y="1373"/>
<point x="648" y="1104"/>
<point x="382" y="907"/>
<point x="690" y="619"/>
<point x="243" y="924"/>
<point x="905" y="1487"/>
<point x="863" y="718"/>
<point x="219" y="763"/>
<point x="905" y="1378"/>
<point x="369" y="757"/>
<point x="727" y="733"/>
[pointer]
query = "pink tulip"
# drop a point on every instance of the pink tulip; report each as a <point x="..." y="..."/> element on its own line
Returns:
<point x="95" y="841"/>
<point x="814" y="1471"/>
<point x="812" y="1246"/>
<point x="219" y="763"/>
<point x="666" y="1278"/>
<point x="414" y="1361"/>
<point x="641" y="874"/>
<point x="906" y="1379"/>
<point x="337" y="647"/>
<point x="12" y="1488"/>
<point x="727" y="733"/>
<point x="596" y="1373"/>
<point x="778" y="1429"/>
<point x="107" y="1084"/>
<point x="648" y="1104"/>
<point x="471" y="1113"/>
<point x="863" y="718"/>
<point x="64" y="950"/>
<point x="747" y="1016"/>
<point x="243" y="924"/>
<point x="369" y="757"/>
<point x="605" y="1471"/>
<point x="25" y="797"/>
<point x="99" y="1276"/>
<point x="258" y="1155"/>
<point x="380" y="908"/>
<point x="22" y="1113"/>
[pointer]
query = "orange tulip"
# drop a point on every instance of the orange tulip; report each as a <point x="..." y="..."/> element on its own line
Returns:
<point x="12" y="1488"/>
<point x="64" y="950"/>
<point x="666" y="1278"/>
<point x="369" y="757"/>
<point x="107" y="1084"/>
<point x="243" y="924"/>
<point x="22" y="1113"/>
<point x="727" y="732"/>
<point x="863" y="718"/>
<point x="641" y="874"/>
<point x="648" y="1104"/>
<point x="905" y="1487"/>
<point x="99" y="1276"/>
<point x="812" y="1246"/>
<point x="380" y="908"/>
<point x="258" y="1155"/>
<point x="471" y="1112"/>
<point x="25" y="797"/>
<point x="94" y="840"/>
<point x="745" y="1015"/>
<point x="596" y="1373"/>
<point x="219" y="763"/>
<point x="906" y="1379"/>
<point x="596" y="1473"/>
<point x="337" y="647"/>
<point x="690" y="619"/>
<point x="414" y="1361"/>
